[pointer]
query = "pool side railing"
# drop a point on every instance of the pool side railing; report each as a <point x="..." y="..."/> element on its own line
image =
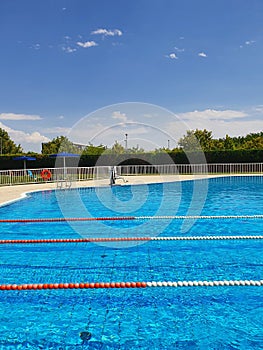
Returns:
<point x="58" y="175"/>
<point x="70" y="174"/>
<point x="192" y="169"/>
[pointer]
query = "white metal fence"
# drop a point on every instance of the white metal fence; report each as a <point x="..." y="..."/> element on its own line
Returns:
<point x="23" y="176"/>
<point x="14" y="177"/>
<point x="224" y="168"/>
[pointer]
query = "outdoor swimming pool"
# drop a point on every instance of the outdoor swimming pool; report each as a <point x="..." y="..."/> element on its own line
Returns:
<point x="219" y="317"/>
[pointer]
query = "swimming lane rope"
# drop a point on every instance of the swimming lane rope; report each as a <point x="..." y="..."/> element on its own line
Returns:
<point x="128" y="239"/>
<point x="175" y="217"/>
<point x="99" y="285"/>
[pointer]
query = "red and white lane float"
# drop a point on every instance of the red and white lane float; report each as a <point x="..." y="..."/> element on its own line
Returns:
<point x="124" y="239"/>
<point x="124" y="218"/>
<point x="66" y="219"/>
<point x="109" y="285"/>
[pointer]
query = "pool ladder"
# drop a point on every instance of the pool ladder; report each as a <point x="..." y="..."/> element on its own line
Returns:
<point x="64" y="184"/>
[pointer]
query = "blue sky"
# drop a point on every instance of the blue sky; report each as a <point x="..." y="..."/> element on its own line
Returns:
<point x="62" y="60"/>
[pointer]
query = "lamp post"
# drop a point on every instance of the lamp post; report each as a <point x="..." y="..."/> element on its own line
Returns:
<point x="126" y="142"/>
<point x="168" y="144"/>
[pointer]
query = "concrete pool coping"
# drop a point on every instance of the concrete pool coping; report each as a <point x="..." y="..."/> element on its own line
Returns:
<point x="9" y="194"/>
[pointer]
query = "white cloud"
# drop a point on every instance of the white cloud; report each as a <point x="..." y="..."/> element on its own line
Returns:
<point x="212" y="114"/>
<point x="57" y="130"/>
<point x="35" y="46"/>
<point x="247" y="43"/>
<point x="34" y="137"/>
<point x="219" y="128"/>
<point x="119" y="116"/>
<point x="258" y="109"/>
<point x="107" y="32"/>
<point x="29" y="141"/>
<point x="220" y="122"/>
<point x="68" y="49"/>
<point x="178" y="50"/>
<point x="202" y="54"/>
<point x="107" y="134"/>
<point x="173" y="56"/>
<point x="87" y="44"/>
<point x="145" y="123"/>
<point x="250" y="42"/>
<point x="14" y="116"/>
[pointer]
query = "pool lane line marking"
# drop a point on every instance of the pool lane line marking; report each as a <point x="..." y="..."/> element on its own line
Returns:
<point x="126" y="239"/>
<point x="73" y="240"/>
<point x="180" y="217"/>
<point x="175" y="217"/>
<point x="67" y="219"/>
<point x="105" y="285"/>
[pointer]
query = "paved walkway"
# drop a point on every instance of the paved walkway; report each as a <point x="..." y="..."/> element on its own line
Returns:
<point x="11" y="193"/>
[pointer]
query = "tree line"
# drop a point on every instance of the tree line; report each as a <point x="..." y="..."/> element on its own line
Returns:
<point x="193" y="140"/>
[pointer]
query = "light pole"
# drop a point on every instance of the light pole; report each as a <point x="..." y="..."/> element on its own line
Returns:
<point x="126" y="142"/>
<point x="168" y="144"/>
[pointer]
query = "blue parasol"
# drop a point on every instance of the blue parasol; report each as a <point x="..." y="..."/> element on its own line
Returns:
<point x="24" y="158"/>
<point x="64" y="155"/>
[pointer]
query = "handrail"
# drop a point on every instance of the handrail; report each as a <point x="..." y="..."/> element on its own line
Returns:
<point x="70" y="174"/>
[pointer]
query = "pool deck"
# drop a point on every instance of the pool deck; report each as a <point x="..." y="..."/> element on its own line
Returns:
<point x="9" y="194"/>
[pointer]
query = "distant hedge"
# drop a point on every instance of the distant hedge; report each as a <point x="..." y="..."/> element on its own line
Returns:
<point x="7" y="162"/>
<point x="235" y="156"/>
<point x="232" y="156"/>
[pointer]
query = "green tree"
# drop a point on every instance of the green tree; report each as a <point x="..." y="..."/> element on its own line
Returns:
<point x="255" y="143"/>
<point x="7" y="146"/>
<point x="160" y="150"/>
<point x="195" y="140"/>
<point x="229" y="143"/>
<point x="135" y="150"/>
<point x="205" y="138"/>
<point x="91" y="150"/>
<point x="59" y="144"/>
<point x="251" y="140"/>
<point x="117" y="148"/>
<point x="217" y="145"/>
<point x="189" y="142"/>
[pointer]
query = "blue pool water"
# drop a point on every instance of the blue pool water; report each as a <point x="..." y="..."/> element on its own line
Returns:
<point x="151" y="318"/>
